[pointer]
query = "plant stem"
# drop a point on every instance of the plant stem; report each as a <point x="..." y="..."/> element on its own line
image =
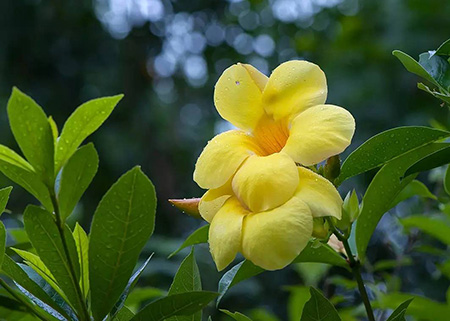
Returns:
<point x="355" y="265"/>
<point x="27" y="304"/>
<point x="60" y="226"/>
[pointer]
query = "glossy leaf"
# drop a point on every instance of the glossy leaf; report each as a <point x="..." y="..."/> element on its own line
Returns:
<point x="444" y="49"/>
<point x="433" y="226"/>
<point x="33" y="133"/>
<point x="35" y="262"/>
<point x="383" y="147"/>
<point x="130" y="285"/>
<point x="447" y="180"/>
<point x="382" y="191"/>
<point x="44" y="236"/>
<point x="4" y="196"/>
<point x="414" y="67"/>
<point x="16" y="273"/>
<point x="399" y="313"/>
<point x="76" y="176"/>
<point x="318" y="308"/>
<point x="85" y="120"/>
<point x="2" y="242"/>
<point x="124" y="314"/>
<point x="415" y="188"/>
<point x="54" y="129"/>
<point x="82" y="243"/>
<point x="197" y="237"/>
<point x="436" y="159"/>
<point x="123" y="222"/>
<point x="19" y="171"/>
<point x="141" y="294"/>
<point x="236" y="315"/>
<point x="437" y="67"/>
<point x="187" y="279"/>
<point x="173" y="305"/>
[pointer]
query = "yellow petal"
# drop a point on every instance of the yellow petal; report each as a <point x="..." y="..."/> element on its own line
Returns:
<point x="212" y="201"/>
<point x="237" y="95"/>
<point x="222" y="157"/>
<point x="319" y="194"/>
<point x="225" y="233"/>
<point x="293" y="87"/>
<point x="263" y="183"/>
<point x="273" y="239"/>
<point x="318" y="133"/>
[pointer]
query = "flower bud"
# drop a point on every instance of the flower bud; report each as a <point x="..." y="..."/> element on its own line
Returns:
<point x="332" y="168"/>
<point x="320" y="228"/>
<point x="188" y="206"/>
<point x="350" y="211"/>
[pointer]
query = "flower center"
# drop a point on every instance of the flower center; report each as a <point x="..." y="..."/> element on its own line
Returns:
<point x="271" y="135"/>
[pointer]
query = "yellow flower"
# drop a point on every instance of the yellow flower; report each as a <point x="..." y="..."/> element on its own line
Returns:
<point x="259" y="202"/>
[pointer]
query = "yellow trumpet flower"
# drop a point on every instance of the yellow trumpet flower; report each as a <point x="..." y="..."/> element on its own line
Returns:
<point x="259" y="202"/>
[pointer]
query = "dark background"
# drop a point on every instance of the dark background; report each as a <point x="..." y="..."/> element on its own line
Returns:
<point x="166" y="56"/>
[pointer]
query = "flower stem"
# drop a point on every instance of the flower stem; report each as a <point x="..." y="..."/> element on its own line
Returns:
<point x="60" y="226"/>
<point x="355" y="265"/>
<point x="26" y="303"/>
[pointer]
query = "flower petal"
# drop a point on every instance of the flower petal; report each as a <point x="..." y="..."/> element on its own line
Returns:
<point x="318" y="133"/>
<point x="222" y="157"/>
<point x="293" y="87"/>
<point x="237" y="95"/>
<point x="213" y="199"/>
<point x="273" y="239"/>
<point x="263" y="183"/>
<point x="225" y="233"/>
<point x="319" y="194"/>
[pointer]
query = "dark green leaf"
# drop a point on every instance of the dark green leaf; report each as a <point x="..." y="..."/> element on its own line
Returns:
<point x="444" y="97"/>
<point x="415" y="188"/>
<point x="130" y="285"/>
<point x="414" y="67"/>
<point x="381" y="148"/>
<point x="76" y="176"/>
<point x="175" y="304"/>
<point x="382" y="191"/>
<point x="85" y="120"/>
<point x="122" y="224"/>
<point x="187" y="279"/>
<point x="437" y="67"/>
<point x="16" y="273"/>
<point x="236" y="315"/>
<point x="33" y="133"/>
<point x="198" y="236"/>
<point x="19" y="171"/>
<point x="124" y="315"/>
<point x="322" y="254"/>
<point x="436" y="159"/>
<point x="399" y="313"/>
<point x="2" y="242"/>
<point x="43" y="233"/>
<point x="318" y="308"/>
<point x="447" y="180"/>
<point x="433" y="226"/>
<point x="444" y="49"/>
<point x="4" y="196"/>
<point x="82" y="243"/>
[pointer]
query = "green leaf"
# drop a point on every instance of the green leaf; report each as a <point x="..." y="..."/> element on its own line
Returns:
<point x="382" y="191"/>
<point x="139" y="295"/>
<point x="444" y="97"/>
<point x="16" y="273"/>
<point x="54" y="128"/>
<point x="198" y="236"/>
<point x="415" y="188"/>
<point x="4" y="196"/>
<point x="399" y="313"/>
<point x="130" y="285"/>
<point x="436" y="159"/>
<point x="444" y="49"/>
<point x="2" y="242"/>
<point x="82" y="243"/>
<point x="383" y="147"/>
<point x="176" y="304"/>
<point x="298" y="297"/>
<point x="43" y="233"/>
<point x="21" y="172"/>
<point x="438" y="68"/>
<point x="122" y="224"/>
<point x="76" y="176"/>
<point x="33" y="133"/>
<point x="35" y="262"/>
<point x="434" y="226"/>
<point x="236" y="315"/>
<point x="85" y="120"/>
<point x="414" y="67"/>
<point x="187" y="279"/>
<point x="447" y="180"/>
<point x="124" y="315"/>
<point x="318" y="308"/>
